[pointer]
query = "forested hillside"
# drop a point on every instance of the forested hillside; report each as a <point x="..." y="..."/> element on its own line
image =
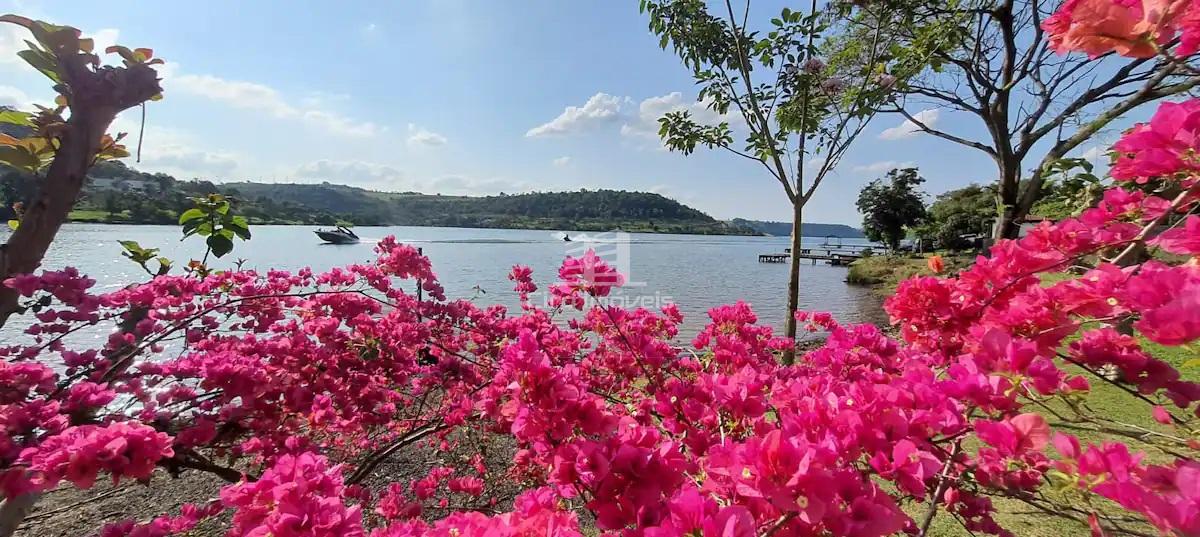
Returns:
<point x="119" y="194"/>
<point x="783" y="229"/>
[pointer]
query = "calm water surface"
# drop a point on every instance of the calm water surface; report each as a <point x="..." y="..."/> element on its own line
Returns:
<point x="695" y="272"/>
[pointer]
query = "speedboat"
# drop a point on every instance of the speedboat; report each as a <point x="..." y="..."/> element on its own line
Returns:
<point x="340" y="235"/>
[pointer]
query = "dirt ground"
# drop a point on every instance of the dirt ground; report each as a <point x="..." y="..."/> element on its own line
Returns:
<point x="70" y="512"/>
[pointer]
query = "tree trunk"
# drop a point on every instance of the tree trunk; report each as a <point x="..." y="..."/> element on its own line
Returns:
<point x="1008" y="222"/>
<point x="45" y="215"/>
<point x="789" y="356"/>
<point x="96" y="97"/>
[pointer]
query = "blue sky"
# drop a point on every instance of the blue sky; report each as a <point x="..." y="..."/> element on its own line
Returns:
<point x="450" y="96"/>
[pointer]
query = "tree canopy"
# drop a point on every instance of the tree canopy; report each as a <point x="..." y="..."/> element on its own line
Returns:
<point x="892" y="204"/>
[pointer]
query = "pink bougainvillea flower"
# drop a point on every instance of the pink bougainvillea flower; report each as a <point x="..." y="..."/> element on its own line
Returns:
<point x="1163" y="148"/>
<point x="1129" y="27"/>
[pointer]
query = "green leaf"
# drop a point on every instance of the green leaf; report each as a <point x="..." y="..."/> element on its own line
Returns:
<point x="19" y="158"/>
<point x="239" y="226"/>
<point x="43" y="62"/>
<point x="190" y="214"/>
<point x="14" y="224"/>
<point x="14" y="117"/>
<point x="219" y="244"/>
<point x="132" y="246"/>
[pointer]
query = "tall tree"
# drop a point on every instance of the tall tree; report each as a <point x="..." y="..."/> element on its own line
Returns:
<point x="891" y="205"/>
<point x="58" y="150"/>
<point x="1035" y="104"/>
<point x="970" y="210"/>
<point x="806" y="85"/>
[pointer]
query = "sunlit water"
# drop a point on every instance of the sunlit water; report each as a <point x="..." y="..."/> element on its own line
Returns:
<point x="695" y="272"/>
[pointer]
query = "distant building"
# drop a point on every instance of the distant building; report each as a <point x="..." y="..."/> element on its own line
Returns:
<point x="120" y="185"/>
<point x="1030" y="223"/>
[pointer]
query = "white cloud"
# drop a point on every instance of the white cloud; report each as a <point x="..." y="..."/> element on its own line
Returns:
<point x="420" y="136"/>
<point x="342" y="125"/>
<point x="318" y="99"/>
<point x="14" y="97"/>
<point x="255" y="96"/>
<point x="601" y="108"/>
<point x="353" y="172"/>
<point x="188" y="162"/>
<point x="653" y="108"/>
<point x="103" y="39"/>
<point x="562" y="161"/>
<point x="235" y="93"/>
<point x="174" y="151"/>
<point x="883" y="166"/>
<point x="11" y="41"/>
<point x="1095" y="153"/>
<point x="908" y="129"/>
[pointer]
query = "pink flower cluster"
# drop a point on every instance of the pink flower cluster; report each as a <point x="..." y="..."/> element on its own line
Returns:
<point x="299" y="496"/>
<point x="1134" y="28"/>
<point x="303" y="383"/>
<point x="1166" y="147"/>
<point x="79" y="454"/>
<point x="587" y="275"/>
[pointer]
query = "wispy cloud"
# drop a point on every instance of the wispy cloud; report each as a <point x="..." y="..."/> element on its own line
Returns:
<point x="599" y="109"/>
<point x="562" y="162"/>
<point x="883" y="166"/>
<point x="1095" y="153"/>
<point x="177" y="152"/>
<point x="909" y="129"/>
<point x="256" y="96"/>
<point x="645" y="123"/>
<point x="14" y="97"/>
<point x="418" y="136"/>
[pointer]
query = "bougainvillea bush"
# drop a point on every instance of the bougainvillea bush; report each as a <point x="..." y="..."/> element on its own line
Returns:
<point x="295" y="387"/>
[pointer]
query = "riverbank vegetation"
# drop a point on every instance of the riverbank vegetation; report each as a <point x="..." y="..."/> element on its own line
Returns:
<point x="1045" y="389"/>
<point x="884" y="272"/>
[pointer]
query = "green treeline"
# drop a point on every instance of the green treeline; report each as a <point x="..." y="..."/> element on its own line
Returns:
<point x="116" y="193"/>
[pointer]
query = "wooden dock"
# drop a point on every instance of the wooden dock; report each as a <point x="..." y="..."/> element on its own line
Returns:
<point x="773" y="258"/>
<point x="832" y="255"/>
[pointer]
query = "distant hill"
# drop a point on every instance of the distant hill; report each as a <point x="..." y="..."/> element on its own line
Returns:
<point x="118" y="194"/>
<point x="586" y="210"/>
<point x="784" y="229"/>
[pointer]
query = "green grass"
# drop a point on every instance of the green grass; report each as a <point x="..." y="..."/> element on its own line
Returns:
<point x="97" y="216"/>
<point x="884" y="272"/>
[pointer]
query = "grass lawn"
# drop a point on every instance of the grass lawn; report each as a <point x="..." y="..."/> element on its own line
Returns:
<point x="884" y="272"/>
<point x="1119" y="410"/>
<point x="96" y="216"/>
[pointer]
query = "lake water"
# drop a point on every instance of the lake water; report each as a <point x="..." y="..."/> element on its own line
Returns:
<point x="695" y="272"/>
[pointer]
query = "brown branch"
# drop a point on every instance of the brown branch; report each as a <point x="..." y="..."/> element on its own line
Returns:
<point x="939" y="491"/>
<point x="764" y="124"/>
<point x="375" y="459"/>
<point x="945" y="135"/>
